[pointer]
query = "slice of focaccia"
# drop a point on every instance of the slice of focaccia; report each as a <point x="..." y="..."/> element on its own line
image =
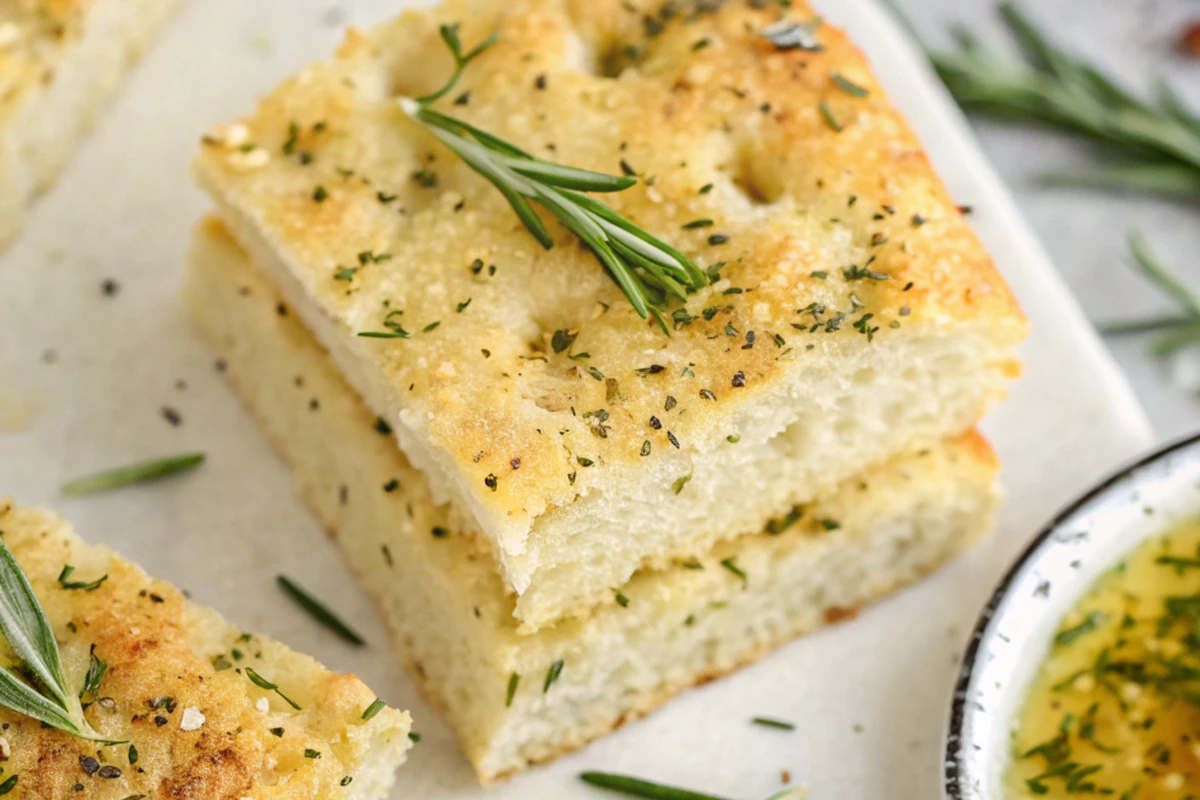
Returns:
<point x="178" y="689"/>
<point x="60" y="60"/>
<point x="855" y="317"/>
<point x="514" y="699"/>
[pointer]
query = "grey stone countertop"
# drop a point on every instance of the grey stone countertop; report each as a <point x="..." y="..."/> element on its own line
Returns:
<point x="1084" y="231"/>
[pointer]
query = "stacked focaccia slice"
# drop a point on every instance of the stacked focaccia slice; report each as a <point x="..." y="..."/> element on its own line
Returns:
<point x="566" y="515"/>
<point x="176" y="691"/>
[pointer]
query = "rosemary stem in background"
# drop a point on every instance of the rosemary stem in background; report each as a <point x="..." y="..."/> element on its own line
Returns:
<point x="134" y="473"/>
<point x="1156" y="141"/>
<point x="1177" y="331"/>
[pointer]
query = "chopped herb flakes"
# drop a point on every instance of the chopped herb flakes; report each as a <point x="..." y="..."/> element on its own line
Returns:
<point x="856" y="273"/>
<point x="787" y="35"/>
<point x="1112" y="710"/>
<point x="86" y="586"/>
<point x="514" y="681"/>
<point x="1089" y="624"/>
<point x="828" y="116"/>
<point x="731" y="565"/>
<point x="781" y="524"/>
<point x="552" y="675"/>
<point x="848" y="86"/>
<point x="561" y="340"/>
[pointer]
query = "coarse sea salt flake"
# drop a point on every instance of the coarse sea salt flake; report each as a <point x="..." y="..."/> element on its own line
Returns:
<point x="192" y="720"/>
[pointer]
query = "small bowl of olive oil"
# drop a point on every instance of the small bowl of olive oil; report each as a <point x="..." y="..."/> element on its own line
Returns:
<point x="1082" y="677"/>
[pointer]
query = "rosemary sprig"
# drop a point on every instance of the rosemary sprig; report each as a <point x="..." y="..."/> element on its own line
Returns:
<point x="1177" y="331"/>
<point x="636" y="787"/>
<point x="648" y="270"/>
<point x="134" y="473"/>
<point x="319" y="611"/>
<point x="1157" y="142"/>
<point x="773" y="722"/>
<point x="270" y="686"/>
<point x="25" y="627"/>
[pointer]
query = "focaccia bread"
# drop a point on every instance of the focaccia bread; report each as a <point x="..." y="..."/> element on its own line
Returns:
<point x="856" y="315"/>
<point x="515" y="699"/>
<point x="177" y="689"/>
<point x="60" y="60"/>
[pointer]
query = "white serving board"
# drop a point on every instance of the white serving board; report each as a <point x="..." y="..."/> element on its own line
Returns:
<point x="870" y="697"/>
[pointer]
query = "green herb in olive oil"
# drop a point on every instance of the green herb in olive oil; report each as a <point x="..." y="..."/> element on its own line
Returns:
<point x="1115" y="710"/>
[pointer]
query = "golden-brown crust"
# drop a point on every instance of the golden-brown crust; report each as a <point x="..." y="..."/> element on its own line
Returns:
<point x="165" y="656"/>
<point x="736" y="113"/>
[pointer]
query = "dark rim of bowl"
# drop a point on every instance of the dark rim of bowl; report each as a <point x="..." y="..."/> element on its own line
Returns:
<point x="950" y="757"/>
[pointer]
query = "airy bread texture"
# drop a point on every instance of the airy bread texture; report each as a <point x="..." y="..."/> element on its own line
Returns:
<point x="60" y="60"/>
<point x="515" y="699"/>
<point x="856" y="316"/>
<point x="167" y="659"/>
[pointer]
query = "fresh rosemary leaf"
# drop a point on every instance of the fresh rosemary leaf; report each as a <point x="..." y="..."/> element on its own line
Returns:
<point x="400" y="334"/>
<point x="514" y="680"/>
<point x="1160" y="139"/>
<point x="771" y="722"/>
<point x="449" y="35"/>
<point x="263" y="683"/>
<point x="636" y="787"/>
<point x="95" y="674"/>
<point x="1178" y="330"/>
<point x="1176" y="340"/>
<point x="24" y="625"/>
<point x="1147" y="325"/>
<point x="1152" y="178"/>
<point x="376" y="706"/>
<point x="848" y="86"/>
<point x="318" y="610"/>
<point x="134" y="473"/>
<point x="732" y="565"/>
<point x="552" y="675"/>
<point x="827" y="115"/>
<point x="1152" y="268"/>
<point x="84" y="586"/>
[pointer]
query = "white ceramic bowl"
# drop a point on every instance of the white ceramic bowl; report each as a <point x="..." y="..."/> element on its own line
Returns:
<point x="1015" y="629"/>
